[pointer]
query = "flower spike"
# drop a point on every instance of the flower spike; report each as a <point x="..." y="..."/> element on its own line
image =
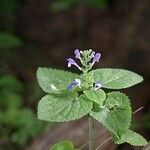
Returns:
<point x="72" y="62"/>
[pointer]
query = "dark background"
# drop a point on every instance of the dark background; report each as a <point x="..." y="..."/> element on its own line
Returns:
<point x="37" y="33"/>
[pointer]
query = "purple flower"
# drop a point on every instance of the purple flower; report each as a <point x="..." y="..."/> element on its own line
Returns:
<point x="92" y="54"/>
<point x="76" y="82"/>
<point x="96" y="58"/>
<point x="97" y="86"/>
<point x="77" y="53"/>
<point x="72" y="62"/>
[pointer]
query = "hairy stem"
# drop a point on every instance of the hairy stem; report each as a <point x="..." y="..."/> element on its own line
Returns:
<point x="90" y="133"/>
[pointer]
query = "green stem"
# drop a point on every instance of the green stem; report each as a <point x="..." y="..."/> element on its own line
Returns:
<point x="90" y="133"/>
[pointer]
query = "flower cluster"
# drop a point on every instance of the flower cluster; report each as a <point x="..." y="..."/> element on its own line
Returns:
<point x="87" y="58"/>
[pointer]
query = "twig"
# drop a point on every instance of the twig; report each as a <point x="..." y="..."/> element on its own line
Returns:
<point x="140" y="108"/>
<point x="103" y="143"/>
<point x="93" y="138"/>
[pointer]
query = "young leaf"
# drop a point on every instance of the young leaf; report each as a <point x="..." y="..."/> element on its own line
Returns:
<point x="132" y="138"/>
<point x="51" y="80"/>
<point x="115" y="115"/>
<point x="96" y="96"/>
<point x="116" y="78"/>
<point x="63" y="107"/>
<point x="64" y="145"/>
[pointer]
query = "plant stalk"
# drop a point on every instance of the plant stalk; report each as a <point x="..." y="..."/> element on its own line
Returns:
<point x="90" y="133"/>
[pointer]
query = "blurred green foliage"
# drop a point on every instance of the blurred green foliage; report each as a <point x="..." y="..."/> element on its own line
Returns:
<point x="145" y="122"/>
<point x="8" y="7"/>
<point x="8" y="38"/>
<point x="59" y="5"/>
<point x="8" y="13"/>
<point x="8" y="41"/>
<point x="63" y="145"/>
<point x="17" y="123"/>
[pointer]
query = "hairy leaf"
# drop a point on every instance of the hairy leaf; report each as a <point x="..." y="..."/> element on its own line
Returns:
<point x="63" y="107"/>
<point x="116" y="78"/>
<point x="96" y="96"/>
<point x="51" y="80"/>
<point x="115" y="115"/>
<point x="132" y="138"/>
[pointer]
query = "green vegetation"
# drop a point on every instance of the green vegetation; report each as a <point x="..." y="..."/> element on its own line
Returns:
<point x="17" y="123"/>
<point x="60" y="5"/>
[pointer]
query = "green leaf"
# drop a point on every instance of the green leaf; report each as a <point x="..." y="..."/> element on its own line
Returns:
<point x="51" y="80"/>
<point x="116" y="78"/>
<point x="63" y="107"/>
<point x="96" y="96"/>
<point x="115" y="115"/>
<point x="64" y="145"/>
<point x="8" y="41"/>
<point x="132" y="138"/>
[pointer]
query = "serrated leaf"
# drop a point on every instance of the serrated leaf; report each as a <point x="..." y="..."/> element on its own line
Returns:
<point x="64" y="145"/>
<point x="63" y="107"/>
<point x="96" y="96"/>
<point x="116" y="114"/>
<point x="132" y="138"/>
<point x="116" y="78"/>
<point x="51" y="80"/>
